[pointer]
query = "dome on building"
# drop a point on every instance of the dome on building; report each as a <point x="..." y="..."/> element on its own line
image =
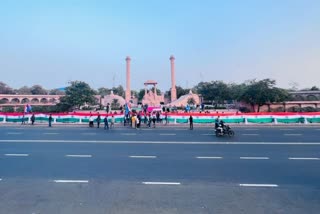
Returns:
<point x="111" y="97"/>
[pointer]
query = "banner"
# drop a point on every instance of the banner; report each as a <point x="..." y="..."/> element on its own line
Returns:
<point x="309" y="117"/>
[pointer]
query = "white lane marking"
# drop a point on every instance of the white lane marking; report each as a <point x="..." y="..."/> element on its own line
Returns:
<point x="208" y="157"/>
<point x="168" y="134"/>
<point x="17" y="155"/>
<point x="255" y="158"/>
<point x="292" y="134"/>
<point x="161" y="183"/>
<point x="250" y="134"/>
<point x="14" y="133"/>
<point x="0" y="179"/>
<point x="142" y="156"/>
<point x="128" y="133"/>
<point x="49" y="133"/>
<point x="258" y="185"/>
<point x="71" y="181"/>
<point x="286" y="129"/>
<point x="304" y="158"/>
<point x="79" y="156"/>
<point x="160" y="142"/>
<point x="88" y="133"/>
<point x="207" y="134"/>
<point x="251" y="129"/>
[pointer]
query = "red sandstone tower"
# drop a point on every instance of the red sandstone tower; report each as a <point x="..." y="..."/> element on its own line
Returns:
<point x="173" y="80"/>
<point x="128" y="91"/>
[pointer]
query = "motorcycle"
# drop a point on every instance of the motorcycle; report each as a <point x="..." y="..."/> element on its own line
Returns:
<point x="225" y="130"/>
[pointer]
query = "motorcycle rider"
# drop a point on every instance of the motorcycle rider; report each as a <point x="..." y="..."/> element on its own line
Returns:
<point x="222" y="126"/>
<point x="217" y="122"/>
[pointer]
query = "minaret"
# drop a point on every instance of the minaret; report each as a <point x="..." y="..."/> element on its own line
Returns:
<point x="173" y="80"/>
<point x="128" y="91"/>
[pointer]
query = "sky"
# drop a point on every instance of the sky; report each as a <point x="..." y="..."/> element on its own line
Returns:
<point x="53" y="42"/>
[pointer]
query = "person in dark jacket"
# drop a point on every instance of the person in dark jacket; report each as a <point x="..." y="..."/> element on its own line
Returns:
<point x="191" y="122"/>
<point x="106" y="124"/>
<point x="98" y="120"/>
<point x="33" y="119"/>
<point x="50" y="120"/>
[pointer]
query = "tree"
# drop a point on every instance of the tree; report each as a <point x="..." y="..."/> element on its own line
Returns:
<point x="38" y="89"/>
<point x="134" y="93"/>
<point x="5" y="89"/>
<point x="115" y="104"/>
<point x="119" y="91"/>
<point x="141" y="94"/>
<point x="236" y="91"/>
<point x="314" y="88"/>
<point x="77" y="94"/>
<point x="56" y="92"/>
<point x="263" y="92"/>
<point x="24" y="90"/>
<point x="180" y="92"/>
<point x="104" y="91"/>
<point x="215" y="91"/>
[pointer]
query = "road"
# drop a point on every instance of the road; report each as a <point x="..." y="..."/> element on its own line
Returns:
<point x="162" y="170"/>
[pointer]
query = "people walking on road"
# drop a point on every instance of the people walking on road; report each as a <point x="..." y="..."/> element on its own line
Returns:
<point x="149" y="120"/>
<point x="112" y="122"/>
<point x="50" y="120"/>
<point x="23" y="120"/>
<point x="91" y="121"/>
<point x="154" y="120"/>
<point x="145" y="118"/>
<point x="133" y="121"/>
<point x="98" y="120"/>
<point x="166" y="117"/>
<point x="106" y="124"/>
<point x="33" y="119"/>
<point x="191" y="122"/>
<point x="108" y="108"/>
<point x="158" y="116"/>
<point x="138" y="120"/>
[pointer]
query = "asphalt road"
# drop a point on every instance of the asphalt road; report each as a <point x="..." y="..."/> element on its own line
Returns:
<point x="162" y="170"/>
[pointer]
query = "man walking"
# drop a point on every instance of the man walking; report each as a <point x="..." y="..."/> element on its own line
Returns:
<point x="98" y="120"/>
<point x="112" y="121"/>
<point x="166" y="117"/>
<point x="23" y="120"/>
<point x="33" y="118"/>
<point x="91" y="121"/>
<point x="154" y="120"/>
<point x="50" y="120"/>
<point x="106" y="124"/>
<point x="191" y="122"/>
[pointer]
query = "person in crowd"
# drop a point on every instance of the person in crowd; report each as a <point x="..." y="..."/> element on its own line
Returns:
<point x="91" y="121"/>
<point x="154" y="120"/>
<point x="191" y="122"/>
<point x="139" y="120"/>
<point x="108" y="108"/>
<point x="33" y="119"/>
<point x="98" y="120"/>
<point x="149" y="120"/>
<point x="166" y="117"/>
<point x="50" y="120"/>
<point x="133" y="121"/>
<point x="23" y="122"/>
<point x="106" y="124"/>
<point x="112" y="121"/>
